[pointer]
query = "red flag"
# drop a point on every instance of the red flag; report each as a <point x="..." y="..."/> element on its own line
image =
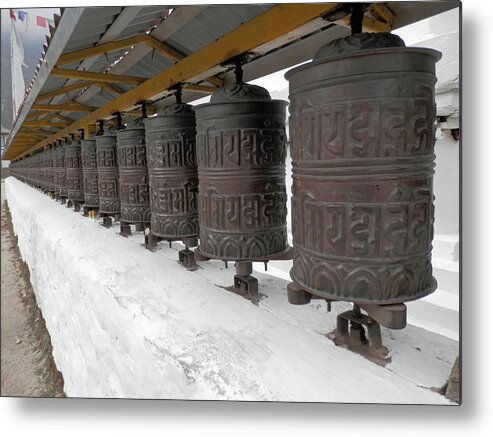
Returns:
<point x="41" y="21"/>
<point x="12" y="15"/>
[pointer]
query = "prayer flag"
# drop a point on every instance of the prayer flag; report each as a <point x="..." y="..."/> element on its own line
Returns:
<point x="41" y="21"/>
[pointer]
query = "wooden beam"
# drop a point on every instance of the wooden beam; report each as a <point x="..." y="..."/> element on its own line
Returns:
<point x="66" y="107"/>
<point x="200" y="88"/>
<point x="174" y="55"/>
<point x="96" y="77"/>
<point x="43" y="123"/>
<point x="110" y="88"/>
<point x="274" y="23"/>
<point x="369" y="24"/>
<point x="162" y="48"/>
<point x="64" y="90"/>
<point x="108" y="47"/>
<point x="62" y="117"/>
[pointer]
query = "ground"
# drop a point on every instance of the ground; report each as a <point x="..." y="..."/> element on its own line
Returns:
<point x="27" y="364"/>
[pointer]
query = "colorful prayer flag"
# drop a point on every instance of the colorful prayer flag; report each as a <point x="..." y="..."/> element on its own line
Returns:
<point x="41" y="21"/>
<point x="22" y="15"/>
<point x="12" y="15"/>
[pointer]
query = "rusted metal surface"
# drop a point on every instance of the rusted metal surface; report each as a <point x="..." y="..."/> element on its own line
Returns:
<point x="90" y="173"/>
<point x="362" y="141"/>
<point x="134" y="178"/>
<point x="173" y="178"/>
<point x="73" y="163"/>
<point x="108" y="174"/>
<point x="241" y="153"/>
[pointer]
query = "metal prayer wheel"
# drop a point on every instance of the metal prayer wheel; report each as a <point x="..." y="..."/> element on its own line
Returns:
<point x="56" y="182"/>
<point x="75" y="190"/>
<point x="241" y="152"/>
<point x="134" y="178"/>
<point x="90" y="173"/>
<point x="61" y="189"/>
<point x="173" y="178"/>
<point x="38" y="172"/>
<point x="362" y="141"/>
<point x="50" y="184"/>
<point x="108" y="174"/>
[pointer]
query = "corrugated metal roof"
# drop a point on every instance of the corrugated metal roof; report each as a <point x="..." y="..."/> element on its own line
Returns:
<point x="81" y="28"/>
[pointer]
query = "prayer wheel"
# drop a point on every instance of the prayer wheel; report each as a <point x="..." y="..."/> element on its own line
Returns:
<point x="173" y="179"/>
<point x="241" y="152"/>
<point x="90" y="173"/>
<point x="108" y="174"/>
<point x="73" y="163"/>
<point x="134" y="178"/>
<point x="362" y="141"/>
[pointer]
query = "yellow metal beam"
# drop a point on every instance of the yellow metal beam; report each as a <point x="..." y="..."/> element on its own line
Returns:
<point x="276" y="22"/>
<point x="95" y="77"/>
<point x="67" y="107"/>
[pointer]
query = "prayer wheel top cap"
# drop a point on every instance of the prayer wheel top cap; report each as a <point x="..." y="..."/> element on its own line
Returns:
<point x="239" y="92"/>
<point x="135" y="124"/>
<point x="109" y="131"/>
<point x="181" y="109"/>
<point x="357" y="43"/>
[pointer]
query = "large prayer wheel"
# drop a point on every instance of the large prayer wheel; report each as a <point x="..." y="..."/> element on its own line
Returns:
<point x="241" y="152"/>
<point x="73" y="163"/>
<point x="90" y="173"/>
<point x="362" y="141"/>
<point x="108" y="174"/>
<point x="173" y="179"/>
<point x="134" y="178"/>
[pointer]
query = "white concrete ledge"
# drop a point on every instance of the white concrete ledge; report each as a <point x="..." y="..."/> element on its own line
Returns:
<point x="126" y="322"/>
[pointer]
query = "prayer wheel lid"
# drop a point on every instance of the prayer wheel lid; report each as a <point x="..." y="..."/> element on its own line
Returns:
<point x="240" y="92"/>
<point x="182" y="109"/>
<point x="357" y="43"/>
<point x="136" y="123"/>
<point x="109" y="131"/>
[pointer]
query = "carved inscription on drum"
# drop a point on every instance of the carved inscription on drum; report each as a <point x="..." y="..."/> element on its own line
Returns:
<point x="132" y="156"/>
<point x="241" y="147"/>
<point x="174" y="200"/>
<point x="106" y="157"/>
<point x="165" y="152"/>
<point x="363" y="230"/>
<point x="134" y="193"/>
<point x="243" y="212"/>
<point x="379" y="128"/>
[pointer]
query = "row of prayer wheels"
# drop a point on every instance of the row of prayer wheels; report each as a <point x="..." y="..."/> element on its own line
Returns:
<point x="361" y="142"/>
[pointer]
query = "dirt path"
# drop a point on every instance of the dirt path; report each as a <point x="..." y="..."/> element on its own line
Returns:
<point x="27" y="366"/>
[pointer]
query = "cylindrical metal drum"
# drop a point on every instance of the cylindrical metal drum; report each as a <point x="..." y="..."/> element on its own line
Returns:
<point x="90" y="173"/>
<point x="42" y="169"/>
<point x="50" y="183"/>
<point x="241" y="153"/>
<point x="108" y="174"/>
<point x="173" y="179"/>
<point x="75" y="190"/>
<point x="134" y="178"/>
<point x="60" y="172"/>
<point x="362" y="140"/>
